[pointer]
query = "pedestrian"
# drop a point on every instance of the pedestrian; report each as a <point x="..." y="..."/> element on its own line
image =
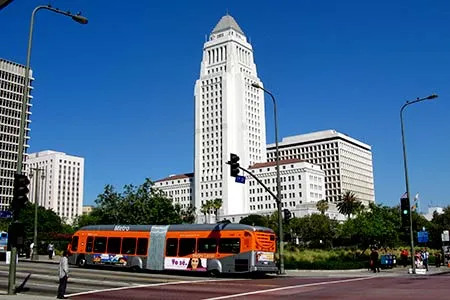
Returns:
<point x="438" y="259"/>
<point x="50" y="250"/>
<point x="374" y="260"/>
<point x="63" y="275"/>
<point x="425" y="255"/>
<point x="404" y="257"/>
<point x="31" y="250"/>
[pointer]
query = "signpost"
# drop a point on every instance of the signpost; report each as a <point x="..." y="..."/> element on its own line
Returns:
<point x="240" y="179"/>
<point x="422" y="236"/>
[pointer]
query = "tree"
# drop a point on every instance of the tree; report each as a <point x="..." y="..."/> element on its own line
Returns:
<point x="255" y="220"/>
<point x="216" y="204"/>
<point x="204" y="209"/>
<point x="142" y="204"/>
<point x="322" y="206"/>
<point x="349" y="204"/>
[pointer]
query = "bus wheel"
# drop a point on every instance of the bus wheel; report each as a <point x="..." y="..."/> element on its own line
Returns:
<point x="81" y="262"/>
<point x="214" y="273"/>
<point x="135" y="269"/>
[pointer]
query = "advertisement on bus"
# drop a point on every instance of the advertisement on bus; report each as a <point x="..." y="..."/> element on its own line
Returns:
<point x="185" y="263"/>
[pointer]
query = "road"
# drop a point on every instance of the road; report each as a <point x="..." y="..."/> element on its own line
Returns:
<point x="41" y="279"/>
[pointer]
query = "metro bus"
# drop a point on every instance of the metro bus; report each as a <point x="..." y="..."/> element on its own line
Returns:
<point x="213" y="248"/>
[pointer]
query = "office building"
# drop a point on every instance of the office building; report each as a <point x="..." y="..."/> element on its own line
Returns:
<point x="229" y="117"/>
<point x="12" y="80"/>
<point x="61" y="182"/>
<point x="347" y="162"/>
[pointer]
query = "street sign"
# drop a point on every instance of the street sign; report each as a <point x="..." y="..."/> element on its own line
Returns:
<point x="240" y="179"/>
<point x="5" y="214"/>
<point x="422" y="236"/>
<point x="445" y="236"/>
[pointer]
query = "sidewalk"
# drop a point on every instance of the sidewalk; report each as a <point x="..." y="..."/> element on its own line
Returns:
<point x="42" y="259"/>
<point x="24" y="296"/>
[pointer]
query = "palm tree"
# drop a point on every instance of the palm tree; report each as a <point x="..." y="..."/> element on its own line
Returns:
<point x="216" y="204"/>
<point x="204" y="209"/>
<point x="322" y="206"/>
<point x="349" y="204"/>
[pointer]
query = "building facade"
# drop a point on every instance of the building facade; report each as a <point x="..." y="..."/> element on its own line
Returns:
<point x="179" y="188"/>
<point x="229" y="117"/>
<point x="347" y="162"/>
<point x="61" y="183"/>
<point x="301" y="183"/>
<point x="12" y="80"/>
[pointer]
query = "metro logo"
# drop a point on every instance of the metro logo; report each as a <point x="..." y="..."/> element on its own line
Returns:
<point x="121" y="228"/>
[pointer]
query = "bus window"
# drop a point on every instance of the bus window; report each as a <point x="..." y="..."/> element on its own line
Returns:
<point x="227" y="245"/>
<point x="207" y="246"/>
<point x="142" y="246"/>
<point x="171" y="247"/>
<point x="129" y="246"/>
<point x="74" y="244"/>
<point x="89" y="242"/>
<point x="100" y="244"/>
<point x="113" y="245"/>
<point x="187" y="247"/>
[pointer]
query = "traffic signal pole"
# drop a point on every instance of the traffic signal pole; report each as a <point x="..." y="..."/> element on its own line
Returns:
<point x="280" y="219"/>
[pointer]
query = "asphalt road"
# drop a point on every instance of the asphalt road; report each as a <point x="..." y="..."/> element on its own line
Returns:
<point x="41" y="279"/>
<point x="406" y="287"/>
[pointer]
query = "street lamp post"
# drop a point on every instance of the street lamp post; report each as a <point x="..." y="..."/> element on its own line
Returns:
<point x="79" y="19"/>
<point x="433" y="96"/>
<point x="278" y="200"/>
<point x="35" y="255"/>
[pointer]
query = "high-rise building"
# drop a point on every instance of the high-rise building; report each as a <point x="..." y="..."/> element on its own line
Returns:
<point x="346" y="161"/>
<point x="12" y="80"/>
<point x="178" y="188"/>
<point x="61" y="182"/>
<point x="229" y="117"/>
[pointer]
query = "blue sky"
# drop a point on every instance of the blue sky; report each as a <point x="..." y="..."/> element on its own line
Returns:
<point x="120" y="90"/>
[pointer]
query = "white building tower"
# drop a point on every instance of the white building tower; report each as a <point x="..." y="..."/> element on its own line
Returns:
<point x="229" y="117"/>
<point x="12" y="81"/>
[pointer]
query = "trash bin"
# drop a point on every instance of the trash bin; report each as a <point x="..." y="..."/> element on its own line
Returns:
<point x="387" y="261"/>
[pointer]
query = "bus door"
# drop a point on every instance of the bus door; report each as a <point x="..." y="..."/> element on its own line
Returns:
<point x="155" y="258"/>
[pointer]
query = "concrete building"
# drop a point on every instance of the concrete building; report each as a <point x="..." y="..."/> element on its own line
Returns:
<point x="12" y="80"/>
<point x="62" y="182"/>
<point x="87" y="209"/>
<point x="229" y="117"/>
<point x="301" y="183"/>
<point x="178" y="187"/>
<point x="347" y="162"/>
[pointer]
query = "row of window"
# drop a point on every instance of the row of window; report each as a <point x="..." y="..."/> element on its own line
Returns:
<point x="174" y="246"/>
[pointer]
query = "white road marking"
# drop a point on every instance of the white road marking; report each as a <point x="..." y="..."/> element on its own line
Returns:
<point x="288" y="287"/>
<point x="147" y="285"/>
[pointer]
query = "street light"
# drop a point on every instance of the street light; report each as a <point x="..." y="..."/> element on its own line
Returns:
<point x="278" y="199"/>
<point x="35" y="255"/>
<point x="433" y="96"/>
<point x="80" y="19"/>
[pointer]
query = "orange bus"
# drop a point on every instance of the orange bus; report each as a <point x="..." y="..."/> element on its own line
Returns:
<point x="213" y="248"/>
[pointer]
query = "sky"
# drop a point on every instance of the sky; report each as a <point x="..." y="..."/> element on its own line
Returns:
<point x="119" y="91"/>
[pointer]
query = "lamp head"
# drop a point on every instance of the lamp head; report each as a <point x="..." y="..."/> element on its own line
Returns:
<point x="255" y="85"/>
<point x="80" y="19"/>
<point x="432" y="96"/>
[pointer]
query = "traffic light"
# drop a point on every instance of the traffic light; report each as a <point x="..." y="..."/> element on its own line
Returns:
<point x="234" y="165"/>
<point x="16" y="235"/>
<point x="20" y="193"/>
<point x="405" y="211"/>
<point x="287" y="215"/>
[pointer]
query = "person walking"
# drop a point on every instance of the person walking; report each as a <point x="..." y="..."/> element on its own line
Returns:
<point x="50" y="250"/>
<point x="31" y="250"/>
<point x="63" y="271"/>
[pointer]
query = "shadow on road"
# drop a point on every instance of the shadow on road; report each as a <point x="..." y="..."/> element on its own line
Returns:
<point x="22" y="288"/>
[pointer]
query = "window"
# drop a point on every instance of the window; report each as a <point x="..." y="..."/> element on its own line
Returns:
<point x="142" y="246"/>
<point x="100" y="244"/>
<point x="207" y="246"/>
<point x="74" y="245"/>
<point x="171" y="247"/>
<point x="89" y="242"/>
<point x="187" y="246"/>
<point x="114" y="245"/>
<point x="229" y="245"/>
<point x="128" y="246"/>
